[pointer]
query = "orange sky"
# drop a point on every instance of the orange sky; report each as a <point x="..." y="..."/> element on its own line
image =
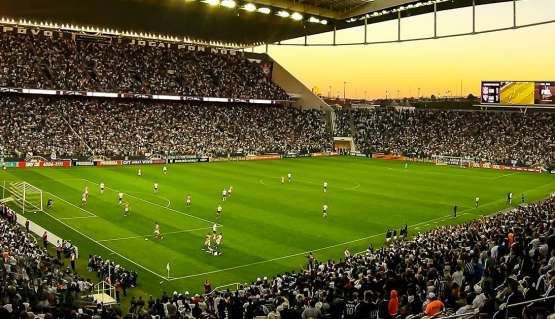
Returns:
<point x="435" y="66"/>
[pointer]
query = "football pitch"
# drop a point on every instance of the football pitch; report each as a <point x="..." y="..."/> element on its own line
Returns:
<point x="268" y="227"/>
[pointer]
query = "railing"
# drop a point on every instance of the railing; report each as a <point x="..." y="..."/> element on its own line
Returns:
<point x="476" y="313"/>
<point x="528" y="302"/>
<point x="219" y="288"/>
<point x="105" y="288"/>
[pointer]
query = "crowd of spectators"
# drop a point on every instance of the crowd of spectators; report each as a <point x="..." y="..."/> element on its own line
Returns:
<point x="495" y="136"/>
<point x="34" y="282"/>
<point x="86" y="64"/>
<point x="117" y="128"/>
<point x="474" y="270"/>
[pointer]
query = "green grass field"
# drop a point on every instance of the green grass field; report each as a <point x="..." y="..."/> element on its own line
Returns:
<point x="268" y="227"/>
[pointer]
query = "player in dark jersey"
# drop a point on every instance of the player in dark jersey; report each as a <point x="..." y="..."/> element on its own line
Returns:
<point x="388" y="235"/>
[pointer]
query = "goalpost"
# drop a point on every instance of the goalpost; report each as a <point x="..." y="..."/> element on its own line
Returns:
<point x="452" y="160"/>
<point x="24" y="195"/>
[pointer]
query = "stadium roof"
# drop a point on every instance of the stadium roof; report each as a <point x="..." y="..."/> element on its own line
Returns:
<point x="231" y="23"/>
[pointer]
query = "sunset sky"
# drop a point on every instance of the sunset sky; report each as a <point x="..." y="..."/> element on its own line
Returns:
<point x="435" y="66"/>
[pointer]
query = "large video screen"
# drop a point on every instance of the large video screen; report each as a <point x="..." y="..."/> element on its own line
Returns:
<point x="518" y="93"/>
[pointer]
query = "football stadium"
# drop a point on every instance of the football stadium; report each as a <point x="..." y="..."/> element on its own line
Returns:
<point x="239" y="159"/>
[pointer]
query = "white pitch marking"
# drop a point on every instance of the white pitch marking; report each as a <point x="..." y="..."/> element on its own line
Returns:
<point x="104" y="246"/>
<point x="162" y="197"/>
<point x="288" y="256"/>
<point x="166" y="233"/>
<point x="81" y="217"/>
<point x="499" y="177"/>
<point x="156" y="204"/>
<point x="95" y="241"/>
<point x="353" y="188"/>
<point x="81" y="208"/>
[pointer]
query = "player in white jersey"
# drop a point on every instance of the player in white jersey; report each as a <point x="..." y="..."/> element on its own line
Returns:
<point x="214" y="228"/>
<point x="126" y="209"/>
<point x="84" y="199"/>
<point x="155" y="187"/>
<point x="283" y="180"/>
<point x="139" y="172"/>
<point x="230" y="190"/>
<point x="325" y="187"/>
<point x="188" y="200"/>
<point x="207" y="243"/>
<point x="157" y="233"/>
<point x="347" y="253"/>
<point x="477" y="201"/>
<point x="224" y="195"/>
<point x="218" y="243"/>
<point x="101" y="188"/>
<point x="165" y="170"/>
<point x="289" y="177"/>
<point x="86" y="192"/>
<point x="325" y="211"/>
<point x="219" y="211"/>
<point x="120" y="198"/>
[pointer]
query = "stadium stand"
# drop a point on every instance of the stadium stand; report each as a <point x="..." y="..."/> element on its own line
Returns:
<point x="35" y="62"/>
<point x="36" y="284"/>
<point x="499" y="137"/>
<point x="74" y="126"/>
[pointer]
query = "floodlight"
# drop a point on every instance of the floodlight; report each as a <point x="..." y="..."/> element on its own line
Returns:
<point x="264" y="10"/>
<point x="296" y="16"/>
<point x="212" y="2"/>
<point x="249" y="7"/>
<point x="228" y="4"/>
<point x="324" y="22"/>
<point x="283" y="14"/>
<point x="313" y="20"/>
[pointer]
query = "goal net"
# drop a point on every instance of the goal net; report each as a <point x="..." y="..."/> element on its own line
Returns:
<point x="452" y="160"/>
<point x="23" y="195"/>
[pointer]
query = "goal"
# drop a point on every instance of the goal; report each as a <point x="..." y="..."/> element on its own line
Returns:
<point x="24" y="195"/>
<point x="452" y="160"/>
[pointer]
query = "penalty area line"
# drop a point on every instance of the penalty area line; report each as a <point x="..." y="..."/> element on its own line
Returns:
<point x="104" y="246"/>
<point x="81" y="217"/>
<point x="156" y="204"/>
<point x="151" y="235"/>
<point x="78" y="207"/>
